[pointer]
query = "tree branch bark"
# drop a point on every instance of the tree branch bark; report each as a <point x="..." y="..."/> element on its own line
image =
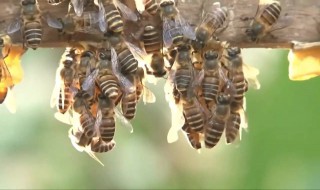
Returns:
<point x="299" y="19"/>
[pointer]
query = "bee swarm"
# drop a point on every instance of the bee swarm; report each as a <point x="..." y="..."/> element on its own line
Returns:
<point x="114" y="47"/>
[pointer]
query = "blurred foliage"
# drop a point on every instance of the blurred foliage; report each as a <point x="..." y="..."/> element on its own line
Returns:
<point x="280" y="149"/>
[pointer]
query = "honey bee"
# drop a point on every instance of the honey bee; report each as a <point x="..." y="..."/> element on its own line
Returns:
<point x="129" y="101"/>
<point x="183" y="74"/>
<point x="239" y="84"/>
<point x="65" y="85"/>
<point x="211" y="80"/>
<point x="153" y="45"/>
<point x="55" y="2"/>
<point x="266" y="17"/>
<point x="106" y="80"/>
<point x="211" y="23"/>
<point x="31" y="22"/>
<point x="125" y="84"/>
<point x="175" y="27"/>
<point x="87" y="120"/>
<point x="141" y="89"/>
<point x="217" y="122"/>
<point x="105" y="119"/>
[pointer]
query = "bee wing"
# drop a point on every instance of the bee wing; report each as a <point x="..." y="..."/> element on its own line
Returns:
<point x="103" y="25"/>
<point x="251" y="73"/>
<point x="187" y="30"/>
<point x="127" y="13"/>
<point x="167" y="38"/>
<point x="65" y="118"/>
<point x="98" y="121"/>
<point x="228" y="83"/>
<point x="78" y="6"/>
<point x="124" y="82"/>
<point x="52" y="21"/>
<point x="123" y="120"/>
<point x="90" y="79"/>
<point x="14" y="26"/>
<point x="10" y="101"/>
<point x="138" y="53"/>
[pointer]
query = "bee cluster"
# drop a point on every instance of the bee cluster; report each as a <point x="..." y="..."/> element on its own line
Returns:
<point x="100" y="81"/>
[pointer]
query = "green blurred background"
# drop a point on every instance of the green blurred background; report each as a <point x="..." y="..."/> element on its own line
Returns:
<point x="280" y="149"/>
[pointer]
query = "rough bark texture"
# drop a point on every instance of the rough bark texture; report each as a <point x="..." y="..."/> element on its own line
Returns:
<point x="299" y="21"/>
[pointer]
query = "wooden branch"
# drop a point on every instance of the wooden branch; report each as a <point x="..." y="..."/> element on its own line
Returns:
<point x="300" y="19"/>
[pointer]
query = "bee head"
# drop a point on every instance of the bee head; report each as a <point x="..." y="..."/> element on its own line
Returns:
<point x="254" y="31"/>
<point x="233" y="51"/>
<point x="166" y="3"/>
<point x="211" y="55"/>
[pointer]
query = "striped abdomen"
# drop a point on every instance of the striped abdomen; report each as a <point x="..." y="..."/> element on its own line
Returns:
<point x="87" y="124"/>
<point x="217" y="19"/>
<point x="232" y="127"/>
<point x="210" y="88"/>
<point x="177" y="38"/>
<point x="33" y="34"/>
<point x="193" y="116"/>
<point x="216" y="125"/>
<point x="107" y="128"/>
<point x="128" y="105"/>
<point x="101" y="146"/>
<point x="241" y="87"/>
<point x="213" y="132"/>
<point x="128" y="64"/>
<point x="193" y="137"/>
<point x="68" y="98"/>
<point x="109" y="86"/>
<point x="271" y="13"/>
<point x="151" y="39"/>
<point x="151" y="6"/>
<point x="114" y="20"/>
<point x="182" y="80"/>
